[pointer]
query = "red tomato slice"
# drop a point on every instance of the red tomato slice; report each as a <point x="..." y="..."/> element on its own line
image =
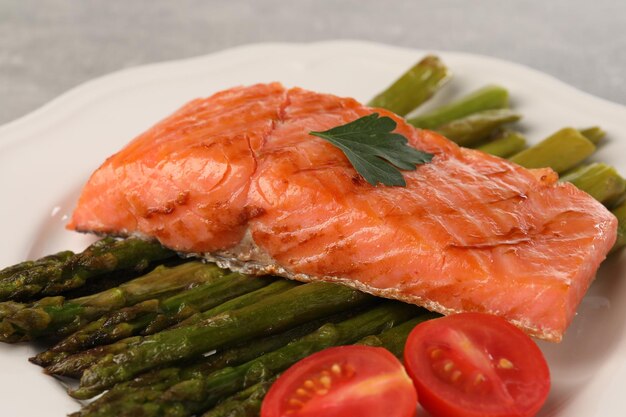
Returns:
<point x="345" y="381"/>
<point x="473" y="364"/>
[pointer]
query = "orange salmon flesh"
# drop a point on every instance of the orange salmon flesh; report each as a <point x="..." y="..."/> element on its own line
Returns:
<point x="237" y="178"/>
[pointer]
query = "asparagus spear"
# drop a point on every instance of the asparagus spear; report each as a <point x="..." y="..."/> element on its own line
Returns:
<point x="198" y="394"/>
<point x="118" y="324"/>
<point x="414" y="87"/>
<point x="394" y="339"/>
<point x="74" y="365"/>
<point x="505" y="144"/>
<point x="470" y="130"/>
<point x="245" y="300"/>
<point x="64" y="271"/>
<point x="248" y="402"/>
<point x="594" y="134"/>
<point x="46" y="261"/>
<point x="153" y="315"/>
<point x="486" y="98"/>
<point x="112" y="280"/>
<point x="57" y="316"/>
<point x="561" y="151"/>
<point x="266" y="317"/>
<point x="600" y="180"/>
<point x="149" y="387"/>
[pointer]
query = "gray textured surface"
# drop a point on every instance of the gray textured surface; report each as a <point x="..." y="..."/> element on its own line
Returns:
<point x="50" y="46"/>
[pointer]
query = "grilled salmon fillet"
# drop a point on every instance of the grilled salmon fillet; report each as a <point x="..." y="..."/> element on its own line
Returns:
<point x="237" y="178"/>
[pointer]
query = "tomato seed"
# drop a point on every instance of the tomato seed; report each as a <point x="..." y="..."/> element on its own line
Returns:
<point x="505" y="364"/>
<point x="480" y="378"/>
<point x="302" y="392"/>
<point x="456" y="375"/>
<point x="295" y="402"/>
<point x="435" y="353"/>
<point x="349" y="371"/>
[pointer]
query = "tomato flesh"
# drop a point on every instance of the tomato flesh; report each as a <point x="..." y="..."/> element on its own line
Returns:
<point x="474" y="364"/>
<point x="345" y="381"/>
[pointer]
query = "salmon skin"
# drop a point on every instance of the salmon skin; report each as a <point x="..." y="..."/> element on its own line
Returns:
<point x="237" y="178"/>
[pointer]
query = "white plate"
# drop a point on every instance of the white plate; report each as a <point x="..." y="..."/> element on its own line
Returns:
<point x="46" y="156"/>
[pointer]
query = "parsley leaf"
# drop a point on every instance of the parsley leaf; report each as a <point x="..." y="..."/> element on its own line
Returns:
<point x="375" y="152"/>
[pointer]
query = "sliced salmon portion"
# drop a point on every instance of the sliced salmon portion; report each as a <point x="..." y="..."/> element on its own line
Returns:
<point x="237" y="178"/>
<point x="185" y="181"/>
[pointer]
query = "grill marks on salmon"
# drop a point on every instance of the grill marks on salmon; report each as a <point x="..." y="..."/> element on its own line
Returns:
<point x="237" y="178"/>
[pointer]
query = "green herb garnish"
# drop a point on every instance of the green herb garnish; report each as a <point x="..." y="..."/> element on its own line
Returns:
<point x="375" y="152"/>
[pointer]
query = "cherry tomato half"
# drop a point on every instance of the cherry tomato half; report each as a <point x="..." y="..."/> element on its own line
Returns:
<point x="345" y="381"/>
<point x="473" y="364"/>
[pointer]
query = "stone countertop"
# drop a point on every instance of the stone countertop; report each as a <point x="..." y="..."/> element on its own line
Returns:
<point x="49" y="47"/>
